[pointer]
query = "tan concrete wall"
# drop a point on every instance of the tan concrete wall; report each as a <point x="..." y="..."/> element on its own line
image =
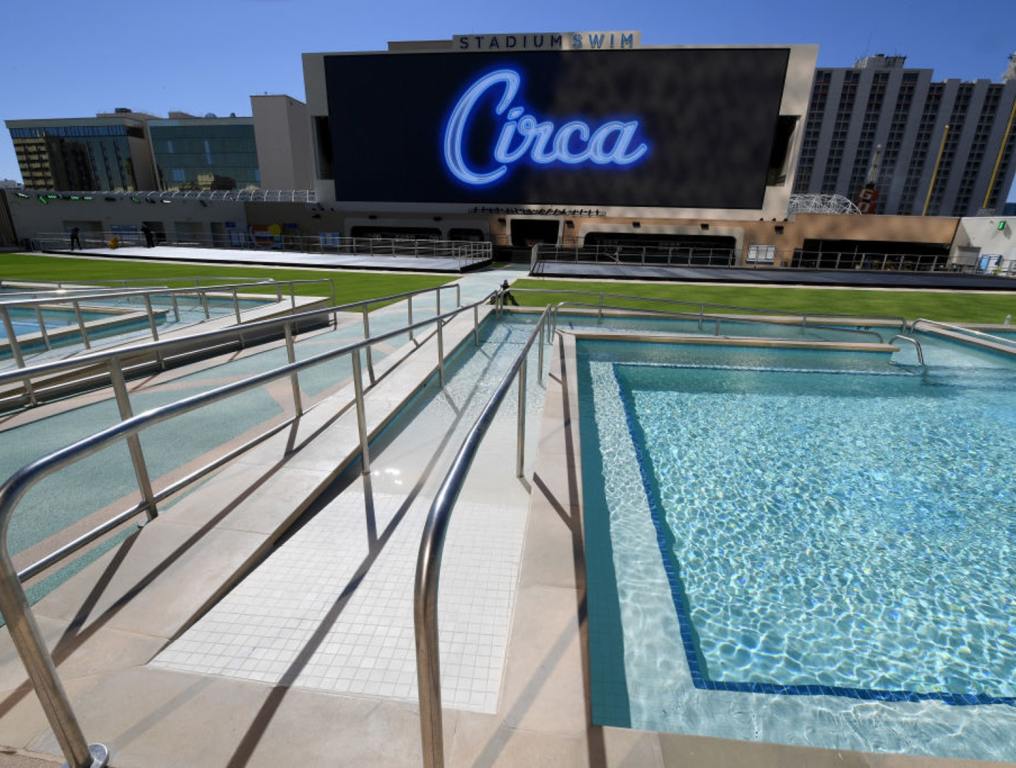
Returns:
<point x="282" y="132"/>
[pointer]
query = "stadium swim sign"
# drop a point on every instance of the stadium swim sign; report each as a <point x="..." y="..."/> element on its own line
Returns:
<point x="523" y="137"/>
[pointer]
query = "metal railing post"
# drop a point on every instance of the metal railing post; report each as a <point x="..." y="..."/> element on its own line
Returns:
<point x="41" y="320"/>
<point x="458" y="295"/>
<point x="19" y="359"/>
<point x="81" y="325"/>
<point x="176" y="306"/>
<point x="440" y="352"/>
<point x="409" y="305"/>
<point x="539" y="364"/>
<point x="31" y="648"/>
<point x="476" y="326"/>
<point x="366" y="335"/>
<point x="12" y="338"/>
<point x="236" y="307"/>
<point x="294" y="377"/>
<point x="437" y="298"/>
<point x="520" y="450"/>
<point x="203" y="296"/>
<point x="151" y="318"/>
<point x="361" y="416"/>
<point x="123" y="404"/>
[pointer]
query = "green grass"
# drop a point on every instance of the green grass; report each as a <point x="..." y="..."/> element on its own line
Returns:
<point x="349" y="286"/>
<point x="946" y="306"/>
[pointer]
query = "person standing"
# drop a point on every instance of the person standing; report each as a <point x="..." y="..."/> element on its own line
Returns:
<point x="75" y="237"/>
<point x="506" y="295"/>
<point x="149" y="236"/>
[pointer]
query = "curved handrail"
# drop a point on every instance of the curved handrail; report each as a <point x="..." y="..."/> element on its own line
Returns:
<point x="428" y="564"/>
<point x="978" y="336"/>
<point x="917" y="346"/>
<point x="14" y="606"/>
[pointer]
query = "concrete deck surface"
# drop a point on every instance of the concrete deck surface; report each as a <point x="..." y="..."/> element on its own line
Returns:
<point x="273" y="258"/>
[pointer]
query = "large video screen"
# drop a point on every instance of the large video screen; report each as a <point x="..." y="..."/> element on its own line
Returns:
<point x="688" y="128"/>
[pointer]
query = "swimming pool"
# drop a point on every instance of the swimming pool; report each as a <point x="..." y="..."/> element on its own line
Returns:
<point x="802" y="547"/>
<point x="25" y="320"/>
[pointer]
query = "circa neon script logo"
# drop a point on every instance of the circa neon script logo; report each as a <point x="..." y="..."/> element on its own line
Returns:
<point x="574" y="143"/>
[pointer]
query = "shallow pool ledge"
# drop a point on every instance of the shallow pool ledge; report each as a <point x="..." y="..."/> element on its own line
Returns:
<point x="546" y="697"/>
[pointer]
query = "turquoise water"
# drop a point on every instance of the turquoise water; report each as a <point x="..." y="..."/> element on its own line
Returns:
<point x="785" y="547"/>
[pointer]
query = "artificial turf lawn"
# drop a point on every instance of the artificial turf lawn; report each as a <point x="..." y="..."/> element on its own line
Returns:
<point x="946" y="306"/>
<point x="349" y="286"/>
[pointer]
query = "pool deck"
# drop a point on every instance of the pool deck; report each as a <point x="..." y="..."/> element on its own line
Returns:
<point x="107" y="624"/>
<point x="273" y="258"/>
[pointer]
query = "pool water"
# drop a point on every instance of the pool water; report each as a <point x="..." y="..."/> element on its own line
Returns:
<point x="25" y="320"/>
<point x="790" y="548"/>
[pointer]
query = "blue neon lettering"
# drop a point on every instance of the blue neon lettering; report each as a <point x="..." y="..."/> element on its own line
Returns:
<point x="615" y="142"/>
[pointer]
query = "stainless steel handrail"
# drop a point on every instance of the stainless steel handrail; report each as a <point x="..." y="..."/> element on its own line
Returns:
<point x="960" y="329"/>
<point x="14" y="606"/>
<point x="716" y="319"/>
<point x="132" y="292"/>
<point x="164" y="348"/>
<point x="123" y="282"/>
<point x="915" y="342"/>
<point x="146" y="294"/>
<point x="428" y="564"/>
<point x="702" y="305"/>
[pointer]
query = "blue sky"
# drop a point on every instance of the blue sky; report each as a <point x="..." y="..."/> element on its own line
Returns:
<point x="67" y="58"/>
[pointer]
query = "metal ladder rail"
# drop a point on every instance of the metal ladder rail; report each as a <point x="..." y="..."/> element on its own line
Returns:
<point x="917" y="346"/>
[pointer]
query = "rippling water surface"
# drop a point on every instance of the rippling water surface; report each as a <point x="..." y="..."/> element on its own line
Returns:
<point x="845" y="535"/>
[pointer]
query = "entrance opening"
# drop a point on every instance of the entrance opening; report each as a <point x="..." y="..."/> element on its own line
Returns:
<point x="529" y="232"/>
<point x="871" y="254"/>
<point x="675" y="249"/>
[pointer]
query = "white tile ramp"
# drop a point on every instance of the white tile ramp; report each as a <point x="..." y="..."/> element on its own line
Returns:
<point x="148" y="589"/>
<point x="332" y="608"/>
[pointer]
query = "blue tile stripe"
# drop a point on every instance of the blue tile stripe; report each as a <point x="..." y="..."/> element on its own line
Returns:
<point x="689" y="639"/>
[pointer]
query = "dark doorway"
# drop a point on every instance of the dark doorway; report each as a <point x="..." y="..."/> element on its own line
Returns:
<point x="871" y="254"/>
<point x="468" y="234"/>
<point x="670" y="249"/>
<point x="529" y="232"/>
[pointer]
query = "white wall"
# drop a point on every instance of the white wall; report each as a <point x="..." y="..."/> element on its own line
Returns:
<point x="979" y="236"/>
